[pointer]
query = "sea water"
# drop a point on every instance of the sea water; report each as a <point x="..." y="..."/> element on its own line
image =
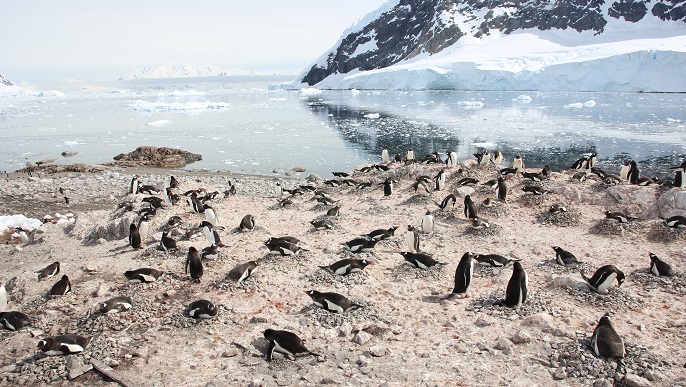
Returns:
<point x="241" y="125"/>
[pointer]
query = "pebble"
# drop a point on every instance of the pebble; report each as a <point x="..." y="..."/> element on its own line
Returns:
<point x="521" y="337"/>
<point x="231" y="352"/>
<point x="560" y="374"/>
<point x="361" y="338"/>
<point x="636" y="381"/>
<point x="378" y="350"/>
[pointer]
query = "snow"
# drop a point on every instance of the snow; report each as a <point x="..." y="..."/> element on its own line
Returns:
<point x="51" y="93"/>
<point x="310" y="92"/>
<point x="180" y="107"/>
<point x="174" y="69"/>
<point x="12" y="221"/>
<point x="372" y="115"/>
<point x="159" y="123"/>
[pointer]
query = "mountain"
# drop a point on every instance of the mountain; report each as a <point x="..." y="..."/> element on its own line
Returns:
<point x="575" y="45"/>
<point x="182" y="70"/>
<point x="7" y="87"/>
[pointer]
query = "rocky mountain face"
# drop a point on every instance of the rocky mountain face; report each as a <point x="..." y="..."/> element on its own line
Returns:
<point x="4" y="81"/>
<point x="414" y="27"/>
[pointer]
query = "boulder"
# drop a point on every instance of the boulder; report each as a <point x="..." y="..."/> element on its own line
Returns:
<point x="636" y="200"/>
<point x="156" y="157"/>
<point x="672" y="202"/>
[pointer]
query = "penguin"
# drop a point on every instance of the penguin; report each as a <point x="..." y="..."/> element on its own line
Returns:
<point x="359" y="245"/>
<point x="518" y="162"/>
<point x="363" y="185"/>
<point x="679" y="181"/>
<point x="23" y="234"/>
<point x="167" y="243"/>
<point x="467" y="182"/>
<point x="535" y="190"/>
<point x="602" y="174"/>
<point x="212" y="233"/>
<point x="385" y="158"/>
<point x="327" y="201"/>
<point x="322" y="224"/>
<point x="487" y="203"/>
<point x="469" y="208"/>
<point x="3" y="298"/>
<point x="346" y="266"/>
<point x="606" y="342"/>
<point x="501" y="191"/>
<point x="284" y="248"/>
<point x="421" y="261"/>
<point x="564" y="257"/>
<point x="194" y="263"/>
<point x="61" y="287"/>
<point x="340" y="174"/>
<point x="634" y="174"/>
<point x="624" y="169"/>
<point x="581" y="163"/>
<point x="482" y="158"/>
<point x="285" y="342"/>
<point x="492" y="184"/>
<point x="387" y="187"/>
<point x="14" y="320"/>
<point x="135" y="185"/>
<point x="202" y="309"/>
<point x="546" y="171"/>
<point x="288" y="239"/>
<point x="494" y="260"/>
<point x="412" y="239"/>
<point x="463" y="276"/>
<point x="448" y="203"/>
<point x="579" y="177"/>
<point x="592" y="158"/>
<point x="154" y="201"/>
<point x="497" y="158"/>
<point x="167" y="195"/>
<point x="618" y="216"/>
<point x="421" y="188"/>
<point x="134" y="237"/>
<point x="195" y="203"/>
<point x="210" y="214"/>
<point x="382" y="233"/>
<point x="148" y="189"/>
<point x="379" y="167"/>
<point x="332" y="302"/>
<point x="509" y="172"/>
<point x="440" y="180"/>
<point x="659" y="267"/>
<point x="143" y="228"/>
<point x="210" y="252"/>
<point x="173" y="183"/>
<point x="603" y="278"/>
<point x="242" y="271"/>
<point x="676" y="221"/>
<point x="533" y="176"/>
<point x="63" y="344"/>
<point x="557" y="207"/>
<point x="428" y="223"/>
<point x="451" y="161"/>
<point x="480" y="223"/>
<point x="115" y="305"/>
<point x="49" y="271"/>
<point x="145" y="274"/>
<point x="278" y="190"/>
<point x="334" y="212"/>
<point x="247" y="223"/>
<point x="517" y="287"/>
<point x="409" y="157"/>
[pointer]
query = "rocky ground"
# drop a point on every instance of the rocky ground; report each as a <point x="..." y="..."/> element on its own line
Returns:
<point x="404" y="333"/>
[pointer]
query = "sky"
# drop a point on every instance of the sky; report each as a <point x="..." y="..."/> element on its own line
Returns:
<point x="46" y="40"/>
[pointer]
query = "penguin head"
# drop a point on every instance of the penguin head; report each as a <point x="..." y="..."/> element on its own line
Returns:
<point x="428" y="212"/>
<point x="102" y="306"/>
<point x="392" y="229"/>
<point x="605" y="320"/>
<point x="556" y="248"/>
<point x="517" y="267"/>
<point x="468" y="255"/>
<point x="44" y="344"/>
<point x="192" y="250"/>
<point x="652" y="256"/>
<point x="620" y="278"/>
<point x="268" y="333"/>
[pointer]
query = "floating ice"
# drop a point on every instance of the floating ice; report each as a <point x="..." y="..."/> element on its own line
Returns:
<point x="523" y="98"/>
<point x="372" y="115"/>
<point x="471" y="104"/>
<point x="188" y="107"/>
<point x="70" y="143"/>
<point x="51" y="93"/>
<point x="589" y="103"/>
<point x="310" y="92"/>
<point x="484" y="145"/>
<point x="180" y="93"/>
<point x="12" y="221"/>
<point x="159" y="123"/>
<point x="575" y="105"/>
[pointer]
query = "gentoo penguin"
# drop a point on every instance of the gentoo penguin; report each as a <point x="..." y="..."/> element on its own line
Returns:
<point x="421" y="188"/>
<point x="387" y="187"/>
<point x="606" y="342"/>
<point x="385" y="158"/>
<point x="564" y="257"/>
<point x="359" y="245"/>
<point x="14" y="320"/>
<point x="247" y="223"/>
<point x="579" y="177"/>
<point x="325" y="200"/>
<point x="51" y="270"/>
<point x="659" y="267"/>
<point x="469" y="208"/>
<point x="505" y="172"/>
<point x="482" y="158"/>
<point x="202" y="309"/>
<point x="173" y="183"/>
<point x="135" y="185"/>
<point x="288" y="239"/>
<point x="497" y="158"/>
<point x="448" y="203"/>
<point x="634" y="174"/>
<point x="194" y="263"/>
<point x="679" y="181"/>
<point x="382" y="233"/>
<point x="210" y="214"/>
<point x="285" y="342"/>
<point x="440" y="180"/>
<point x="63" y="344"/>
<point x="421" y="261"/>
<point x="463" y="276"/>
<point x="212" y="233"/>
<point x="143" y="227"/>
<point x="332" y="302"/>
<point x="467" y="182"/>
<point x="676" y="221"/>
<point x="154" y="201"/>
<point x="535" y="190"/>
<point x="581" y="163"/>
<point x="412" y="239"/>
<point x="546" y="171"/>
<point x="428" y="223"/>
<point x="278" y="190"/>
<point x="380" y="167"/>
<point x="167" y="195"/>
<point x="557" y="207"/>
<point x="409" y="157"/>
<point x="480" y="223"/>
<point x="322" y="224"/>
<point x="134" y="237"/>
<point x="61" y="287"/>
<point x="23" y="234"/>
<point x="618" y="216"/>
<point x="284" y="248"/>
<point x="3" y="298"/>
<point x="624" y="169"/>
<point x="451" y="161"/>
<point x="242" y="271"/>
<point x="144" y="274"/>
<point x="518" y="162"/>
<point x="195" y="203"/>
<point x="346" y="266"/>
<point x="533" y="176"/>
<point x="501" y="190"/>
<point x="494" y="260"/>
<point x="115" y="305"/>
<point x="167" y="243"/>
<point x="210" y="252"/>
<point x="333" y="212"/>
<point x="592" y="158"/>
<point x="603" y="278"/>
<point x="517" y="288"/>
<point x="492" y="184"/>
<point x="487" y="202"/>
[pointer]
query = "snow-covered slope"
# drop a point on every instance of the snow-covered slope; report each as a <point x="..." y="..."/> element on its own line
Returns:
<point x="576" y="45"/>
<point x="182" y="70"/>
<point x="8" y="87"/>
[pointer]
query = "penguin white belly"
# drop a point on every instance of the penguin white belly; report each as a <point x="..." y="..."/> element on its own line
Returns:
<point x="342" y="270"/>
<point x="421" y="265"/>
<point x="603" y="286"/>
<point x="384" y="156"/>
<point x="428" y="224"/>
<point x="334" y="307"/>
<point x="143" y="230"/>
<point x="73" y="348"/>
<point x="245" y="275"/>
<point x="409" y="242"/>
<point x="210" y="216"/>
<point x="3" y="298"/>
<point x="208" y="235"/>
<point x="9" y="326"/>
<point x="453" y="159"/>
<point x="54" y="352"/>
<point x="148" y="278"/>
<point x="594" y="343"/>
<point x="653" y="269"/>
<point x="281" y="349"/>
<point x="624" y="172"/>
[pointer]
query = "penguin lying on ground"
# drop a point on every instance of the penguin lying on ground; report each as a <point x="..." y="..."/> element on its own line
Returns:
<point x="63" y="344"/>
<point x="659" y="267"/>
<point x="421" y="261"/>
<point x="285" y="342"/>
<point x="332" y="302"/>
<point x="603" y="278"/>
<point x="346" y="266"/>
<point x="607" y="343"/>
<point x="115" y="305"/>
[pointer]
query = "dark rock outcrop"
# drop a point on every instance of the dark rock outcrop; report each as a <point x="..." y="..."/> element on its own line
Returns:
<point x="157" y="157"/>
<point x="4" y="81"/>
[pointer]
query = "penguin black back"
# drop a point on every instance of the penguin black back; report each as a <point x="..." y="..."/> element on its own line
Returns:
<point x="659" y="267"/>
<point x="61" y="287"/>
<point x="134" y="236"/>
<point x="463" y="275"/>
<point x="194" y="263"/>
<point x="469" y="208"/>
<point x="49" y="271"/>
<point x="285" y="342"/>
<point x="517" y="287"/>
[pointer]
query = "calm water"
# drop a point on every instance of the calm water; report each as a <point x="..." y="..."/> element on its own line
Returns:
<point x="241" y="126"/>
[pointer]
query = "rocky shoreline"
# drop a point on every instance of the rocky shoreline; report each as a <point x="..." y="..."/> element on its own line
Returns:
<point x="405" y="332"/>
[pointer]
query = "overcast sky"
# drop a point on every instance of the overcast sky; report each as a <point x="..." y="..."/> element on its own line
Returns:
<point x="43" y="40"/>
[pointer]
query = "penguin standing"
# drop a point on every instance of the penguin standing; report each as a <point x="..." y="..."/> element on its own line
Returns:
<point x="564" y="257"/>
<point x="385" y="157"/>
<point x="448" y="203"/>
<point x="451" y="161"/>
<point x="115" y="305"/>
<point x="546" y="171"/>
<point x="3" y="298"/>
<point x="247" y="223"/>
<point x="242" y="271"/>
<point x="332" y="302"/>
<point x="606" y="342"/>
<point x="194" y="263"/>
<point x="463" y="276"/>
<point x="135" y="185"/>
<point x="23" y="234"/>
<point x="497" y="158"/>
<point x="428" y="223"/>
<point x="409" y="157"/>
<point x="679" y="181"/>
<point x="210" y="215"/>
<point x="63" y="344"/>
<point x="49" y="271"/>
<point x="61" y="287"/>
<point x="134" y="237"/>
<point x="387" y="187"/>
<point x="412" y="239"/>
<point x="144" y="227"/>
<point x="603" y="278"/>
<point x="287" y="343"/>
<point x="517" y="288"/>
<point x="624" y="169"/>
<point x="469" y="208"/>
<point x="634" y="174"/>
<point x="501" y="190"/>
<point x="659" y="267"/>
<point x="278" y="190"/>
<point x="202" y="309"/>
<point x="518" y="162"/>
<point x="211" y="233"/>
<point x="440" y="180"/>
<point x="676" y="221"/>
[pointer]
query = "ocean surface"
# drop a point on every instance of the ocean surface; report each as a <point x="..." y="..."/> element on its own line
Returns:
<point x="241" y="125"/>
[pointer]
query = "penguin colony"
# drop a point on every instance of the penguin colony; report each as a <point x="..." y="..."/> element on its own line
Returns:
<point x="208" y="234"/>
